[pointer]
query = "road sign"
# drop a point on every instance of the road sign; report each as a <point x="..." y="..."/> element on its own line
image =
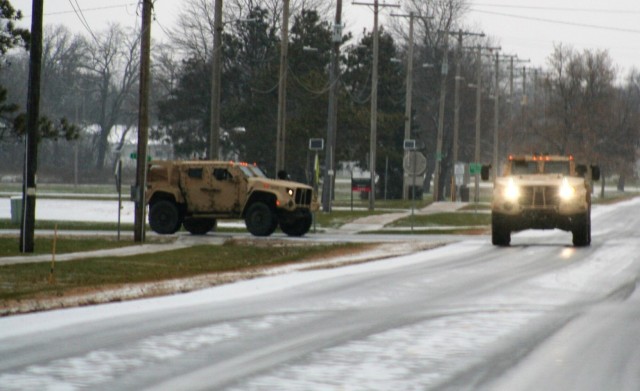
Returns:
<point x="316" y="144"/>
<point x="475" y="168"/>
<point x="409" y="145"/>
<point x="414" y="163"/>
<point x="134" y="156"/>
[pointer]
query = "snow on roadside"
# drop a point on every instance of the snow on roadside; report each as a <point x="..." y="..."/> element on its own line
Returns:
<point x="174" y="286"/>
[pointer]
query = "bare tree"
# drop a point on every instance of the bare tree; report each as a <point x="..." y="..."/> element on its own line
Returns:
<point x="62" y="58"/>
<point x="193" y="34"/>
<point x="112" y="67"/>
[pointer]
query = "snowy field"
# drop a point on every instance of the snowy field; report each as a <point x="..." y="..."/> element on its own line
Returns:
<point x="75" y="210"/>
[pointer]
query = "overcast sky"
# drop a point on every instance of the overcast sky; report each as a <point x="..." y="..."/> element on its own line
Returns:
<point x="527" y="28"/>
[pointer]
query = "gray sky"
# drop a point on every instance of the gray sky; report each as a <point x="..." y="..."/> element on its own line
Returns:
<point x="527" y="28"/>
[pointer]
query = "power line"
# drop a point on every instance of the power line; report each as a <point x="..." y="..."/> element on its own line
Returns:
<point x="83" y="20"/>
<point x="81" y="14"/>
<point x="86" y="9"/>
<point x="562" y="9"/>
<point x="561" y="22"/>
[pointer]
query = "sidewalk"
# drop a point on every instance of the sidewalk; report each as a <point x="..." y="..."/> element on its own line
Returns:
<point x="377" y="222"/>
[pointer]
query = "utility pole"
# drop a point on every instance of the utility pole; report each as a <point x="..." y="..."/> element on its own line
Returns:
<point x="27" y="226"/>
<point x="443" y="95"/>
<point x="496" y="136"/>
<point x="374" y="100"/>
<point x="524" y="102"/>
<point x="409" y="100"/>
<point x="216" y="70"/>
<point x="409" y="82"/>
<point x="282" y="89"/>
<point x="332" y="121"/>
<point x="535" y="87"/>
<point x="374" y="109"/>
<point x="496" y="115"/>
<point x="512" y="60"/>
<point x="143" y="123"/>
<point x="476" y="158"/>
<point x="479" y="48"/>
<point x="456" y="109"/>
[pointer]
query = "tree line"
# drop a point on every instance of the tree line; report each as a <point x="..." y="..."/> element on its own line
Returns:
<point x="578" y="103"/>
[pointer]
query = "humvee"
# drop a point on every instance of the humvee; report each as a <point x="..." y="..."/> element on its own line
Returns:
<point x="195" y="194"/>
<point x="542" y="192"/>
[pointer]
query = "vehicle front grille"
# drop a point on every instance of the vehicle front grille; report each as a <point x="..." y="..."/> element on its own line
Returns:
<point x="304" y="196"/>
<point x="540" y="196"/>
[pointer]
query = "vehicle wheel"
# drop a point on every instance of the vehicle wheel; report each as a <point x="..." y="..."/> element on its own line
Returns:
<point x="582" y="230"/>
<point x="298" y="226"/>
<point x="500" y="235"/>
<point x="164" y="217"/>
<point x="260" y="220"/>
<point x="199" y="226"/>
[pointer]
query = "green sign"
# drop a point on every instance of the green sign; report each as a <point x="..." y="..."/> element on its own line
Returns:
<point x="134" y="156"/>
<point x="475" y="168"/>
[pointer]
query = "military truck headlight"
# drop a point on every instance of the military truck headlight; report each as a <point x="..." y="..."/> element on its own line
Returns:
<point x="511" y="191"/>
<point x="290" y="192"/>
<point x="566" y="190"/>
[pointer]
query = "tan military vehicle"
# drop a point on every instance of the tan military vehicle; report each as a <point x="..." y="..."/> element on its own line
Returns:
<point x="195" y="194"/>
<point x="542" y="192"/>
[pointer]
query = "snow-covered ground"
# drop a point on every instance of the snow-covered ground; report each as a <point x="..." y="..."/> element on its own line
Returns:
<point x="82" y="210"/>
<point x="456" y="317"/>
<point x="75" y="210"/>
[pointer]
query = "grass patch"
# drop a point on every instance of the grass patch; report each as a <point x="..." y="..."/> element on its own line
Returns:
<point x="26" y="281"/>
<point x="9" y="246"/>
<point x="454" y="219"/>
<point x="473" y="207"/>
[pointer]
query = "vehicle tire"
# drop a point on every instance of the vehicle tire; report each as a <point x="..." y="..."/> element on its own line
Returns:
<point x="260" y="219"/>
<point x="199" y="226"/>
<point x="582" y="230"/>
<point x="164" y="217"/>
<point x="500" y="234"/>
<point x="298" y="226"/>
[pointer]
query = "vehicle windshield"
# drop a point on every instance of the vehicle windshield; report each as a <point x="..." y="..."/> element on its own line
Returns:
<point x="556" y="168"/>
<point x="257" y="171"/>
<point x="252" y="171"/>
<point x="523" y="167"/>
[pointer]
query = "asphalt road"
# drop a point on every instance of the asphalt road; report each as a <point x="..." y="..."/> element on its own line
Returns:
<point x="540" y="314"/>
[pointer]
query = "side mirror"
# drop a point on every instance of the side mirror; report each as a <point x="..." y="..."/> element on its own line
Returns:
<point x="595" y="173"/>
<point x="282" y="174"/>
<point x="484" y="172"/>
